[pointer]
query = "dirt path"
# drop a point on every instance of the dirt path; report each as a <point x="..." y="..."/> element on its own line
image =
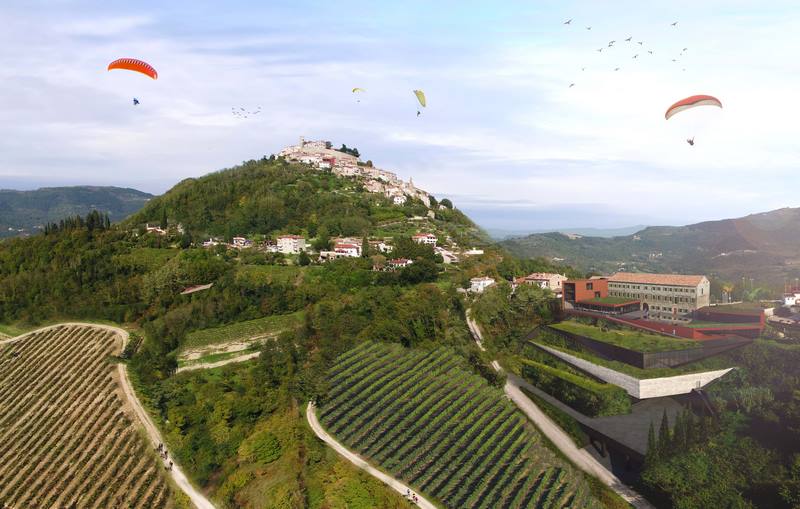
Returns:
<point x="581" y="458"/>
<point x="358" y="461"/>
<point x="209" y="365"/>
<point x="199" y="500"/>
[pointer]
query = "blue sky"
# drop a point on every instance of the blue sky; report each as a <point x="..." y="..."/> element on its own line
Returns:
<point x="503" y="135"/>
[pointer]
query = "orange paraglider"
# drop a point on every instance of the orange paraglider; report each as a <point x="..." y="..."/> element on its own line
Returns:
<point x="692" y="102"/>
<point x="133" y="64"/>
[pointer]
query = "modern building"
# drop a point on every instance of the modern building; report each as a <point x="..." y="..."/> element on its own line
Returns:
<point x="662" y="296"/>
<point x="291" y="244"/>
<point x="576" y="290"/>
<point x="479" y="284"/>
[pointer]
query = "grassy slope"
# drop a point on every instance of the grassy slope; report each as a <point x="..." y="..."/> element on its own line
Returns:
<point x="633" y="340"/>
<point x="269" y="325"/>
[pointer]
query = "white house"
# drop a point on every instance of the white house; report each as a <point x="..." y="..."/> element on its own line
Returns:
<point x="479" y="284"/>
<point x="351" y="250"/>
<point x="473" y="252"/>
<point x="398" y="263"/>
<point x="210" y="243"/>
<point x="155" y="229"/>
<point x="425" y="238"/>
<point x="291" y="244"/>
<point x="790" y="299"/>
<point x="399" y="199"/>
<point x="241" y="242"/>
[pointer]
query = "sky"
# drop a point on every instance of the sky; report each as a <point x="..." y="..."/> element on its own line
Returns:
<point x="504" y="135"/>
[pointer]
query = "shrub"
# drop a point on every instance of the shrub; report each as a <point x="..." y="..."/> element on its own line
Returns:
<point x="584" y="395"/>
<point x="263" y="447"/>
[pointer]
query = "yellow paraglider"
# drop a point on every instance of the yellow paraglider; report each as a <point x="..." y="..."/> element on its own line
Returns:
<point x="421" y="98"/>
<point x="357" y="89"/>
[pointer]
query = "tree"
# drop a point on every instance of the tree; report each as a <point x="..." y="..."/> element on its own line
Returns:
<point x="303" y="259"/>
<point x="446" y="203"/>
<point x="323" y="240"/>
<point x="365" y="251"/>
<point x="664" y="436"/>
<point x="651" y="457"/>
<point x="163" y="218"/>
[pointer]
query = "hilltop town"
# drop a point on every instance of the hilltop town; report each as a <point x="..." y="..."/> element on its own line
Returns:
<point x="321" y="155"/>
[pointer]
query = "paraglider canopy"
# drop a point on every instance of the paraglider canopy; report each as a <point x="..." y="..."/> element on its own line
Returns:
<point x="357" y="89"/>
<point x="132" y="64"/>
<point x="420" y="97"/>
<point x="692" y="102"/>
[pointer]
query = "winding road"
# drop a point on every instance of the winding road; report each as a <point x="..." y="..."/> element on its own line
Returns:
<point x="360" y="462"/>
<point x="197" y="498"/>
<point x="580" y="457"/>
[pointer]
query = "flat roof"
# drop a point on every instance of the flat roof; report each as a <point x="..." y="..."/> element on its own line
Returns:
<point x="608" y="301"/>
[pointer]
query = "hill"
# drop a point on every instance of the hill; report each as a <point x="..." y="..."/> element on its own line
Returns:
<point x="25" y="212"/>
<point x="760" y="246"/>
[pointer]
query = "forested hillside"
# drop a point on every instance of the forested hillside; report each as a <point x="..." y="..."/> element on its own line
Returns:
<point x="238" y="430"/>
<point x="24" y="212"/>
<point x="759" y="246"/>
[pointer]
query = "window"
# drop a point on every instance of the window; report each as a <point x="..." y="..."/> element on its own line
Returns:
<point x="589" y="286"/>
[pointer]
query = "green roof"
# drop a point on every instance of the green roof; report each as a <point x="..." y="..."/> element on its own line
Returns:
<point x="639" y="341"/>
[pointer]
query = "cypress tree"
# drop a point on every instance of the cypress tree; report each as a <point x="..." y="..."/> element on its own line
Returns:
<point x="651" y="456"/>
<point x="163" y="218"/>
<point x="664" y="436"/>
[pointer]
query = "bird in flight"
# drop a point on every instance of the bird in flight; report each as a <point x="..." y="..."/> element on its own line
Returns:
<point x="684" y="49"/>
<point x="690" y="141"/>
<point x="650" y="51"/>
<point x="569" y="21"/>
<point x="611" y="43"/>
<point x="674" y="60"/>
<point x="588" y="28"/>
<point x="616" y="69"/>
<point x="583" y="68"/>
<point x="640" y="43"/>
<point x="629" y="39"/>
<point x="571" y="85"/>
<point x="675" y="24"/>
<point x="635" y="56"/>
<point x="600" y="50"/>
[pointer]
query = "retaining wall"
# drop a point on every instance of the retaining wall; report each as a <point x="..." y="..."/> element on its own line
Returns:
<point x="644" y="388"/>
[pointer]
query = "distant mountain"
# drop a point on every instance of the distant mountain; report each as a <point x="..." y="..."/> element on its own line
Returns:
<point x="765" y="247"/>
<point x="24" y="212"/>
<point x="503" y="234"/>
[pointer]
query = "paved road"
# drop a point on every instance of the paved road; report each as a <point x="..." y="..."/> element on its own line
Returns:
<point x="358" y="461"/>
<point x="209" y="365"/>
<point x="581" y="458"/>
<point x="199" y="500"/>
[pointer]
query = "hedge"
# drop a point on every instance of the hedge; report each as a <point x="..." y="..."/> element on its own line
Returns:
<point x="584" y="395"/>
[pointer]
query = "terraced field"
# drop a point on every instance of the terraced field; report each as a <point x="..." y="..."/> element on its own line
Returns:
<point x="67" y="439"/>
<point x="423" y="417"/>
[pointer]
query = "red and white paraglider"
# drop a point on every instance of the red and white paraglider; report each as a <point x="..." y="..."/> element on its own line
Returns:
<point x="689" y="103"/>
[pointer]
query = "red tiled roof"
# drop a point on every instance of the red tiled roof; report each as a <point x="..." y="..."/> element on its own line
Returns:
<point x="290" y="237"/>
<point x="345" y="246"/>
<point x="656" y="279"/>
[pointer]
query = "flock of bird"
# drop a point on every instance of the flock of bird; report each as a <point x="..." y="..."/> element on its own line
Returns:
<point x="240" y="112"/>
<point x="629" y="40"/>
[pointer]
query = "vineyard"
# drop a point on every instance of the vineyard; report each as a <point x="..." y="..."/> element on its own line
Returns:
<point x="239" y="331"/>
<point x="67" y="439"/>
<point x="423" y="417"/>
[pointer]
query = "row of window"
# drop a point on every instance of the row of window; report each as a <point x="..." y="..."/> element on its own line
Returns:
<point x="651" y="297"/>
<point x="652" y="288"/>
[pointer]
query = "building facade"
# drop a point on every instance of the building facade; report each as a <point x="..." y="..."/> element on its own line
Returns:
<point x="662" y="296"/>
<point x="291" y="244"/>
<point x="544" y="280"/>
